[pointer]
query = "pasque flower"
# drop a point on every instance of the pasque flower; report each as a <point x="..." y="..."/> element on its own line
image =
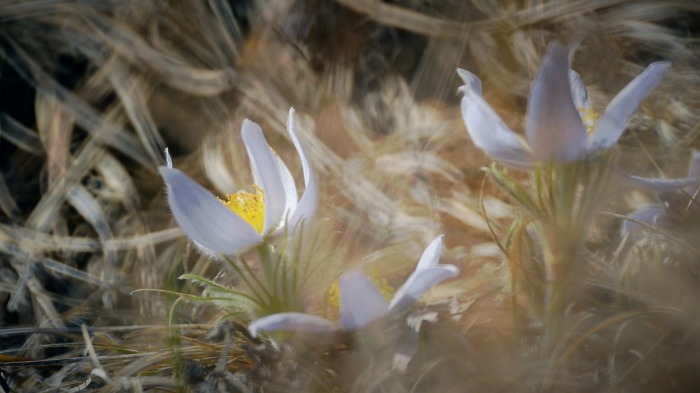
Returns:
<point x="245" y="219"/>
<point x="361" y="303"/>
<point x="560" y="125"/>
<point x="675" y="208"/>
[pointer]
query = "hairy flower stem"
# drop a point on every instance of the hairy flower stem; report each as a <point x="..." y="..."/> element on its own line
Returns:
<point x="563" y="233"/>
<point x="559" y="257"/>
<point x="268" y="268"/>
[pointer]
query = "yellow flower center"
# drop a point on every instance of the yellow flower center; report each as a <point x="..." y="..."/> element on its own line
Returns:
<point x="589" y="117"/>
<point x="381" y="283"/>
<point x="249" y="206"/>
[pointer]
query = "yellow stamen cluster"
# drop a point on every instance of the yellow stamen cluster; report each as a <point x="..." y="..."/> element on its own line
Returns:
<point x="250" y="206"/>
<point x="589" y="117"/>
<point x="381" y="283"/>
<point x="333" y="296"/>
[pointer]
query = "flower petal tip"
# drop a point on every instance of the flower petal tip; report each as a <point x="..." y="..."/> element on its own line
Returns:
<point x="553" y="125"/>
<point x="291" y="321"/>
<point x="168" y="159"/>
<point x="431" y="255"/>
<point x="662" y="66"/>
<point x="471" y="81"/>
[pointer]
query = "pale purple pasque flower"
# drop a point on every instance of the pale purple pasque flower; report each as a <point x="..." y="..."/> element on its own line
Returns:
<point x="361" y="303"/>
<point x="675" y="206"/>
<point x="231" y="227"/>
<point x="560" y="125"/>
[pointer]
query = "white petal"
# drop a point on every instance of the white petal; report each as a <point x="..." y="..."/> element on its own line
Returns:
<point x="419" y="282"/>
<point x="290" y="188"/>
<point x="204" y="218"/>
<point x="168" y="159"/>
<point x="486" y="129"/>
<point x="694" y="166"/>
<point x="309" y="199"/>
<point x="291" y="321"/>
<point x="266" y="172"/>
<point x="649" y="214"/>
<point x="579" y="93"/>
<point x="431" y="255"/>
<point x="617" y="114"/>
<point x="658" y="184"/>
<point x="553" y="125"/>
<point x="694" y="173"/>
<point x="361" y="303"/>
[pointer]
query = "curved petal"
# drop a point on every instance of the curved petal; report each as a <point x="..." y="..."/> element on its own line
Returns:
<point x="306" y="208"/>
<point x="659" y="184"/>
<point x="266" y="172"/>
<point x="694" y="166"/>
<point x="290" y="188"/>
<point x="361" y="303"/>
<point x="579" y="93"/>
<point x="617" y="114"/>
<point x="419" y="282"/>
<point x="486" y="129"/>
<point x="204" y="218"/>
<point x="291" y="321"/>
<point x="649" y="214"/>
<point x="694" y="173"/>
<point x="431" y="255"/>
<point x="168" y="159"/>
<point x="553" y="125"/>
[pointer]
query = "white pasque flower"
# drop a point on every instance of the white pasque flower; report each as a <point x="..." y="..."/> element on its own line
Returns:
<point x="230" y="227"/>
<point x="675" y="207"/>
<point x="361" y="303"/>
<point x="560" y="125"/>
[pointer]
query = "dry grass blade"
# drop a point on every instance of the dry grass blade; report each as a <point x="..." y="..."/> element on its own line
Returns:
<point x="86" y="116"/>
<point x="7" y="202"/>
<point x="400" y="17"/>
<point x="129" y="89"/>
<point x="55" y="128"/>
<point x="20" y="135"/>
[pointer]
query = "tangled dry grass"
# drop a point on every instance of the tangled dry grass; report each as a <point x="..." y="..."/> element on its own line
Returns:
<point x="93" y="91"/>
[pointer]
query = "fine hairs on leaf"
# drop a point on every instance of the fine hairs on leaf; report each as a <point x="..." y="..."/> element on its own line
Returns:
<point x="514" y="189"/>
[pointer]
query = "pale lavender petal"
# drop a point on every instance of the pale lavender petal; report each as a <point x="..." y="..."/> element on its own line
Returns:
<point x="431" y="255"/>
<point x="291" y="321"/>
<point x="306" y="208"/>
<point x="553" y="125"/>
<point x="290" y="188"/>
<point x="649" y="214"/>
<point x="579" y="93"/>
<point x="420" y="282"/>
<point x="204" y="219"/>
<point x="622" y="107"/>
<point x="486" y="129"/>
<point x="694" y="173"/>
<point x="266" y="172"/>
<point x="168" y="159"/>
<point x="361" y="303"/>
<point x="658" y="184"/>
<point x="694" y="166"/>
